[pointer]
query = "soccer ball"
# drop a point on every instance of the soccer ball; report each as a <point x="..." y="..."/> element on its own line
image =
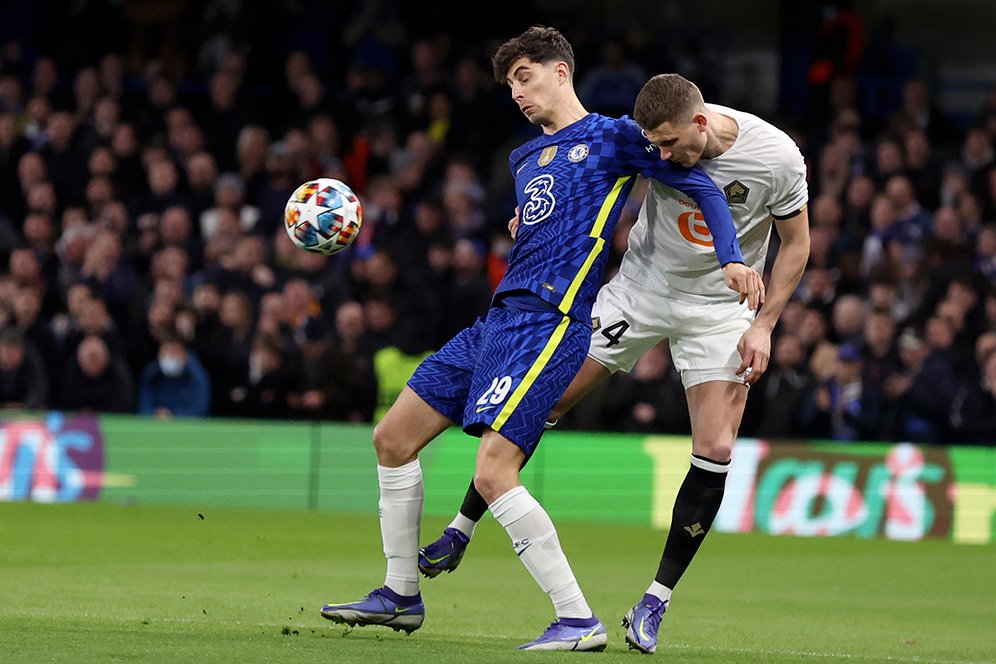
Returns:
<point x="323" y="216"/>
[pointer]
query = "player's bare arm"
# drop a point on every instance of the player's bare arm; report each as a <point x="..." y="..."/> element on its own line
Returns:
<point x="747" y="282"/>
<point x="786" y="271"/>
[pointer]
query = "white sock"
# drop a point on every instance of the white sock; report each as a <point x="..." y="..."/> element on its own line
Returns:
<point x="661" y="592"/>
<point x="535" y="541"/>
<point x="401" y="494"/>
<point x="464" y="525"/>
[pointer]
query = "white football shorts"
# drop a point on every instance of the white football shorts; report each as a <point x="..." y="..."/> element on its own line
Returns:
<point x="628" y="319"/>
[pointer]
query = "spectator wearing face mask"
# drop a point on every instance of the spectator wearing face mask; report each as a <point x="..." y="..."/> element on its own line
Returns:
<point x="174" y="384"/>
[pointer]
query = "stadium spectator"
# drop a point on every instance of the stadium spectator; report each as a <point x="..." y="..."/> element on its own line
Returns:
<point x="923" y="167"/>
<point x="909" y="213"/>
<point x="879" y="352"/>
<point x="302" y="311"/>
<point x="973" y="412"/>
<point x="266" y="380"/>
<point x="977" y="156"/>
<point x="467" y="290"/>
<point x="984" y="262"/>
<point x="250" y="152"/>
<point x="919" y="111"/>
<point x="23" y="380"/>
<point x="889" y="161"/>
<point x="346" y="373"/>
<point x="26" y="307"/>
<point x="230" y="350"/>
<point x="65" y="163"/>
<point x="650" y="398"/>
<point x="26" y="269"/>
<point x="921" y="392"/>
<point x="244" y="267"/>
<point x="229" y="193"/>
<point x="849" y="313"/>
<point x="200" y="173"/>
<point x="94" y="380"/>
<point x="773" y="409"/>
<point x="93" y="318"/>
<point x="843" y="407"/>
<point x="109" y="273"/>
<point x="204" y="327"/>
<point x="175" y="384"/>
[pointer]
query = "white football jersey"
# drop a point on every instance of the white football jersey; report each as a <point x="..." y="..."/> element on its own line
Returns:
<point x="763" y="174"/>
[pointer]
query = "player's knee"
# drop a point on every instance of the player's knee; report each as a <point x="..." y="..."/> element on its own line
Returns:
<point x="492" y="484"/>
<point x="719" y="451"/>
<point x="485" y="485"/>
<point x="392" y="448"/>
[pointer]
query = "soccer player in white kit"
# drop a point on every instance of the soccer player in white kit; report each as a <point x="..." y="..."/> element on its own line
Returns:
<point x="670" y="287"/>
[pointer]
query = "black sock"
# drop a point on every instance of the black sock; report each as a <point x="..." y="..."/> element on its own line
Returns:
<point x="695" y="507"/>
<point x="474" y="506"/>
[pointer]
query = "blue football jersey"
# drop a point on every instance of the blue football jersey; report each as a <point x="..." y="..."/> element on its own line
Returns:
<point x="571" y="187"/>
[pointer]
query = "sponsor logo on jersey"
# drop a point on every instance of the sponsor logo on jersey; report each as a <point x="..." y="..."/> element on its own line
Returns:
<point x="578" y="153"/>
<point x="596" y="323"/>
<point x="736" y="192"/>
<point x="547" y="155"/>
<point x="694" y="229"/>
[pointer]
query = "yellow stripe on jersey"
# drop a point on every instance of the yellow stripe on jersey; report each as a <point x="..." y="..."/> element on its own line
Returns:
<point x="596" y="232"/>
<point x="532" y="374"/>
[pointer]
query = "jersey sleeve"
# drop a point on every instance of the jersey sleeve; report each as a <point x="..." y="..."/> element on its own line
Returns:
<point x="643" y="156"/>
<point x="700" y="188"/>
<point x="790" y="190"/>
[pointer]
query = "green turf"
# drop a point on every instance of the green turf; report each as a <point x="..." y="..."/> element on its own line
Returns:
<point x="107" y="583"/>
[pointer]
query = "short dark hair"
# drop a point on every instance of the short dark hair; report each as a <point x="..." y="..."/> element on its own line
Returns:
<point x="539" y="43"/>
<point x="666" y="98"/>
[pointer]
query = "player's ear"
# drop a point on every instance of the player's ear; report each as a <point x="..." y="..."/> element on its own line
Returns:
<point x="563" y="72"/>
<point x="701" y="121"/>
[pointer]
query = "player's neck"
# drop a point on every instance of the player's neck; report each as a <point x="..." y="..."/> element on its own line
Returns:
<point x="571" y="112"/>
<point x="723" y="131"/>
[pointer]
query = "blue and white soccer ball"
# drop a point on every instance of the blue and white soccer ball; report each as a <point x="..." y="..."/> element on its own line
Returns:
<point x="323" y="216"/>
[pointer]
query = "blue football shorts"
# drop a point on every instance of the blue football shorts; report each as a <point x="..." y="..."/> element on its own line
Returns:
<point x="505" y="372"/>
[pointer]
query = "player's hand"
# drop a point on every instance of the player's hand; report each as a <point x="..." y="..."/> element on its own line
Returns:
<point x="747" y="282"/>
<point x="513" y="223"/>
<point x="755" y="351"/>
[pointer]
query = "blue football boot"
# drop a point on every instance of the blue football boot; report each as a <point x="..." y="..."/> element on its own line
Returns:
<point x="383" y="606"/>
<point x="443" y="555"/>
<point x="642" y="622"/>
<point x="571" y="634"/>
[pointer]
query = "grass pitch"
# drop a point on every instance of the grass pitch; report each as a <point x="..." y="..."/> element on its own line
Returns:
<point x="108" y="583"/>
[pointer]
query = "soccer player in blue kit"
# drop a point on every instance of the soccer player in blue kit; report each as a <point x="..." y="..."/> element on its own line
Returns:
<point x="500" y="378"/>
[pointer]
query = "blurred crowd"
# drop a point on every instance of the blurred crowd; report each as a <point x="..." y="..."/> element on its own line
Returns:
<point x="144" y="266"/>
